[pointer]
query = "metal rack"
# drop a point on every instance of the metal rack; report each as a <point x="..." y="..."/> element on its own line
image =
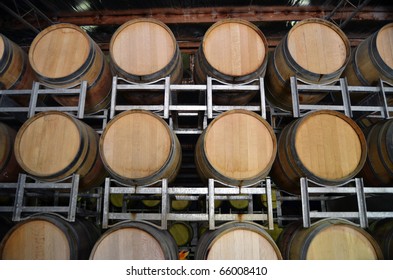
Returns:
<point x="39" y="89"/>
<point x="376" y="102"/>
<point x="29" y="186"/>
<point x="313" y="191"/>
<point x="170" y="110"/>
<point x="215" y="191"/>
<point x="27" y="183"/>
<point x="375" y="105"/>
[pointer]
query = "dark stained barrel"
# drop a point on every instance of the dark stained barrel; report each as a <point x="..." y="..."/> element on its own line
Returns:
<point x="15" y="69"/>
<point x="9" y="167"/>
<point x="378" y="168"/>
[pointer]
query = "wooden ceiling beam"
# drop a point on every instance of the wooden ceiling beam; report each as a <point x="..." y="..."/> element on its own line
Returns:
<point x="213" y="14"/>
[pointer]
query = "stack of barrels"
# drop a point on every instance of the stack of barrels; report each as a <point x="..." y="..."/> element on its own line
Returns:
<point x="238" y="148"/>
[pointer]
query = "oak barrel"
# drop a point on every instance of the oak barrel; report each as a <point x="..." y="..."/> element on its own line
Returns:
<point x="142" y="51"/>
<point x="63" y="55"/>
<point x="15" y="69"/>
<point x="182" y="232"/>
<point x="324" y="146"/>
<point x="237" y="148"/>
<point x="179" y="205"/>
<point x="329" y="239"/>
<point x="49" y="237"/>
<point x="135" y="240"/>
<point x="372" y="59"/>
<point x="232" y="51"/>
<point x="139" y="148"/>
<point x="54" y="145"/>
<point x="9" y="167"/>
<point x="382" y="232"/>
<point x="237" y="241"/>
<point x="239" y="204"/>
<point x="378" y="168"/>
<point x="315" y="51"/>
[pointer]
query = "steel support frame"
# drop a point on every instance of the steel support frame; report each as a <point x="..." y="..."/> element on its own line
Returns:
<point x="214" y="191"/>
<point x="170" y="110"/>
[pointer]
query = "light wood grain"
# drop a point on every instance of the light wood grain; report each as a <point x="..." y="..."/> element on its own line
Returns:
<point x="340" y="242"/>
<point x="242" y="244"/>
<point x="385" y="44"/>
<point x="1" y="47"/>
<point x="317" y="47"/>
<point x="128" y="244"/>
<point x="59" y="51"/>
<point x="234" y="48"/>
<point x="48" y="144"/>
<point x="142" y="47"/>
<point x="239" y="145"/>
<point x="37" y="240"/>
<point x="328" y="146"/>
<point x="136" y="144"/>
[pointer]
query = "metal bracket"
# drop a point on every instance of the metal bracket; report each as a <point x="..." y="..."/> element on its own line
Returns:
<point x="23" y="186"/>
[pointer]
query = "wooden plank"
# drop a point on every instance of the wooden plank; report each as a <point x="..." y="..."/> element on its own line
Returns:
<point x="213" y="14"/>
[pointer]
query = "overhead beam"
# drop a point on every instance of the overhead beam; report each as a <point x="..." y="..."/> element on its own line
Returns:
<point x="213" y="14"/>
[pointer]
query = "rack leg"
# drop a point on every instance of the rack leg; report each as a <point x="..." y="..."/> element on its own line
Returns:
<point x="164" y="204"/>
<point x="361" y="203"/>
<point x="269" y="203"/>
<point x="105" y="208"/>
<point x="305" y="202"/>
<point x="211" y="204"/>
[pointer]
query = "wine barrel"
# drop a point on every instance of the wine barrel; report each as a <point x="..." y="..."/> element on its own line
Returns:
<point x="63" y="55"/>
<point x="382" y="232"/>
<point x="237" y="241"/>
<point x="150" y="202"/>
<point x="54" y="145"/>
<point x="9" y="167"/>
<point x="239" y="204"/>
<point x="324" y="146"/>
<point x="237" y="148"/>
<point x="142" y="51"/>
<point x="135" y="241"/>
<point x="179" y="205"/>
<point x="372" y="59"/>
<point x="378" y="168"/>
<point x="232" y="51"/>
<point x="315" y="51"/>
<point x="328" y="239"/>
<point x="15" y="69"/>
<point x="49" y="237"/>
<point x="139" y="148"/>
<point x="182" y="233"/>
